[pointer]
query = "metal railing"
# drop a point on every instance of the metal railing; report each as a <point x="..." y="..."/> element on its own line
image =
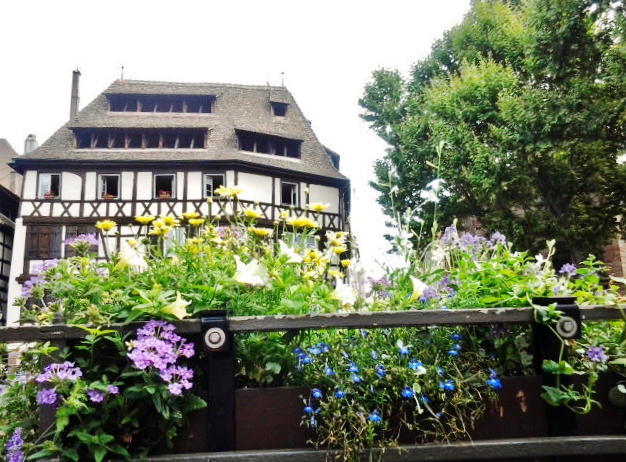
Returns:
<point x="221" y="398"/>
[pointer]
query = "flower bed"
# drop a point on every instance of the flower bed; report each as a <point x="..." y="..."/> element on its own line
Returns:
<point x="368" y="385"/>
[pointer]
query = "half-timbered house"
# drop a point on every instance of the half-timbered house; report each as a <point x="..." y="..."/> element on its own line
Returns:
<point x="164" y="148"/>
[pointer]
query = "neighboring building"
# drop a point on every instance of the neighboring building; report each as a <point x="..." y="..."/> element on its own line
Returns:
<point x="138" y="138"/>
<point x="10" y="189"/>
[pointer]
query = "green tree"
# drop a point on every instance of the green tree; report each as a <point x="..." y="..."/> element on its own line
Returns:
<point x="529" y="99"/>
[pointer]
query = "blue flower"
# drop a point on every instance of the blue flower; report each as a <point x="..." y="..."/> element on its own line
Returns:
<point x="355" y="378"/>
<point x="404" y="351"/>
<point x="453" y="353"/>
<point x="329" y="371"/>
<point x="313" y="422"/>
<point x="353" y="368"/>
<point x="339" y="393"/>
<point x="380" y="371"/>
<point x="440" y="370"/>
<point x="494" y="383"/>
<point x="414" y="364"/>
<point x="407" y="392"/>
<point x="364" y="333"/>
<point x="374" y="355"/>
<point x="448" y="385"/>
<point x="456" y="337"/>
<point x="375" y="417"/>
<point x="306" y="359"/>
<point x="425" y="399"/>
<point x="315" y="350"/>
<point x="316" y="393"/>
<point x="308" y="409"/>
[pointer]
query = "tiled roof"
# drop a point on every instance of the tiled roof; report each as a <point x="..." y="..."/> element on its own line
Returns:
<point x="236" y="107"/>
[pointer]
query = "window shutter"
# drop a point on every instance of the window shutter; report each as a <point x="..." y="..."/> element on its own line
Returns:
<point x="55" y="242"/>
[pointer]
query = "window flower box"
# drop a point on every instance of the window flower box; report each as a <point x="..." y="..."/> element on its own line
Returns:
<point x="49" y="195"/>
<point x="108" y="197"/>
<point x="165" y="194"/>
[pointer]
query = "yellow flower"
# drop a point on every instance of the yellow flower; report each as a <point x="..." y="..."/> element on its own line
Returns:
<point x="133" y="258"/>
<point x="170" y="220"/>
<point x="132" y="243"/>
<point x="196" y="221"/>
<point x="261" y="232"/>
<point x="144" y="220"/>
<point x="318" y="207"/>
<point x="284" y="214"/>
<point x="339" y="250"/>
<point x="189" y="215"/>
<point x="160" y="230"/>
<point x="252" y="213"/>
<point x="335" y="273"/>
<point x="303" y="222"/>
<point x="177" y="307"/>
<point x="345" y="263"/>
<point x="228" y="192"/>
<point x="105" y="225"/>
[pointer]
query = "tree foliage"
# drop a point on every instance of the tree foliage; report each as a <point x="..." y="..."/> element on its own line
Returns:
<point x="529" y="99"/>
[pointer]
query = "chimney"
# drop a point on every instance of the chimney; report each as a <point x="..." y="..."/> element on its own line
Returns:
<point x="30" y="143"/>
<point x="75" y="97"/>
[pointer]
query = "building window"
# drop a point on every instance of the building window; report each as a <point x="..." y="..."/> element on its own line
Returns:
<point x="109" y="186"/>
<point x="279" y="109"/>
<point x="43" y="242"/>
<point x="266" y="144"/>
<point x="49" y="185"/>
<point x="211" y="183"/>
<point x="289" y="194"/>
<point x="163" y="184"/>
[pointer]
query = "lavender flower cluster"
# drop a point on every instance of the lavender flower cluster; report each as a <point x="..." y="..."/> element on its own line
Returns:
<point x="38" y="277"/>
<point x="14" y="447"/>
<point x="159" y="347"/>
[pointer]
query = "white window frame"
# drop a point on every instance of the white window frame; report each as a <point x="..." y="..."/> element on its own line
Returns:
<point x="294" y="193"/>
<point x="102" y="180"/>
<point x="45" y="184"/>
<point x="207" y="179"/>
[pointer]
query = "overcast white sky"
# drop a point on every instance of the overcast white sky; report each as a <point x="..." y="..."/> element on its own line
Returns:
<point x="327" y="50"/>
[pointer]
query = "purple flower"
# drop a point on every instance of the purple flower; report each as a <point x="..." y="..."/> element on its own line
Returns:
<point x="95" y="396"/>
<point x="47" y="396"/>
<point x="568" y="270"/>
<point x="497" y="238"/>
<point x="450" y="235"/>
<point x="596" y="354"/>
<point x="83" y="239"/>
<point x="113" y="390"/>
<point x="56" y="372"/>
<point x="14" y="447"/>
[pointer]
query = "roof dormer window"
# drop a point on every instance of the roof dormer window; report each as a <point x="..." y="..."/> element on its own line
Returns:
<point x="279" y="109"/>
<point x="177" y="104"/>
<point x="267" y="144"/>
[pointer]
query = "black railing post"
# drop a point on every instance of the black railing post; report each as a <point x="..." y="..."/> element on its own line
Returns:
<point x="561" y="420"/>
<point x="219" y="381"/>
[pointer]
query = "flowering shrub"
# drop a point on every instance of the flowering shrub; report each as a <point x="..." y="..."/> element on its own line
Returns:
<point x="114" y="398"/>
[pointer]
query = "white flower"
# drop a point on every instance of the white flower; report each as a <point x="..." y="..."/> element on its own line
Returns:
<point x="418" y="288"/>
<point x="343" y="292"/>
<point x="177" y="307"/>
<point x="131" y="257"/>
<point x="253" y="273"/>
<point x="294" y="257"/>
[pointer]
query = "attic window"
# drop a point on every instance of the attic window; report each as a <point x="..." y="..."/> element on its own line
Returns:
<point x="266" y="144"/>
<point x="279" y="109"/>
<point x="177" y="104"/>
<point x="149" y="138"/>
